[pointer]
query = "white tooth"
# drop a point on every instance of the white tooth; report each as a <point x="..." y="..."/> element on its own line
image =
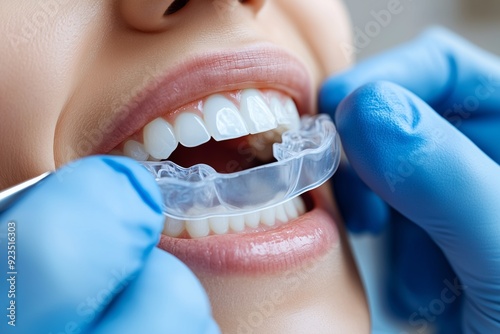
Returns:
<point x="220" y="225"/>
<point x="299" y="204"/>
<point x="159" y="139"/>
<point x="173" y="227"/>
<point x="291" y="210"/>
<point x="261" y="146"/>
<point x="272" y="136"/>
<point x="197" y="228"/>
<point x="255" y="112"/>
<point x="190" y="130"/>
<point x="281" y="214"/>
<point x="223" y="119"/>
<point x="135" y="150"/>
<point x="252" y="219"/>
<point x="268" y="216"/>
<point x="279" y="111"/>
<point x="288" y="114"/>
<point x="237" y="223"/>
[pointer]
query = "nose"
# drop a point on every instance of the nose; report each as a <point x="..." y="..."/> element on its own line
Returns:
<point x="157" y="15"/>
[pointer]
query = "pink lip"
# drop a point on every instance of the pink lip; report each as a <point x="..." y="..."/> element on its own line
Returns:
<point x="259" y="66"/>
<point x="291" y="245"/>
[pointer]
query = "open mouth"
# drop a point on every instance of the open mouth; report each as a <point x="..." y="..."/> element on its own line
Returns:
<point x="242" y="126"/>
<point x="226" y="110"/>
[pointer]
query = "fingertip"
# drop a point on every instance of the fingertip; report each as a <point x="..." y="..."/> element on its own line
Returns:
<point x="371" y="119"/>
<point x="116" y="199"/>
<point x="111" y="166"/>
<point x="139" y="177"/>
<point x="377" y="124"/>
<point x="371" y="101"/>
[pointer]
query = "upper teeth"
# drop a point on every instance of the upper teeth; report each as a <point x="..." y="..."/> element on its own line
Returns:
<point x="218" y="117"/>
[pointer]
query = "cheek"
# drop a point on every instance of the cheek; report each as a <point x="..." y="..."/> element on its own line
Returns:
<point x="29" y="95"/>
<point x="325" y="26"/>
<point x="41" y="48"/>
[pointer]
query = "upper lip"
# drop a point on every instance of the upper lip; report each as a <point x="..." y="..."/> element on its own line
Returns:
<point x="258" y="66"/>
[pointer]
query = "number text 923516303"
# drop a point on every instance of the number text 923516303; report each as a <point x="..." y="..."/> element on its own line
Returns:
<point x="11" y="272"/>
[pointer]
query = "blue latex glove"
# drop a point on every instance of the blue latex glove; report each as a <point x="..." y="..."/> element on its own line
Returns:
<point x="427" y="143"/>
<point x="86" y="260"/>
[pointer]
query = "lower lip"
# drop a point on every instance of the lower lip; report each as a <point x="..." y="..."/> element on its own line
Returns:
<point x="291" y="245"/>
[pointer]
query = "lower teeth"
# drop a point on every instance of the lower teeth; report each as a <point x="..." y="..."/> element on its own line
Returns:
<point x="282" y="213"/>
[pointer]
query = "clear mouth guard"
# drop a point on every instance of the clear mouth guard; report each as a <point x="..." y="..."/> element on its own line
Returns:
<point x="306" y="158"/>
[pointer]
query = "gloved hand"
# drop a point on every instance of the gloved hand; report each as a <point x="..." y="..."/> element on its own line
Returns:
<point x="86" y="260"/>
<point x="427" y="143"/>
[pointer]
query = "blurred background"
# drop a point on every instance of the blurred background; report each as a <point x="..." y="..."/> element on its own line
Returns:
<point x="476" y="20"/>
<point x="381" y="24"/>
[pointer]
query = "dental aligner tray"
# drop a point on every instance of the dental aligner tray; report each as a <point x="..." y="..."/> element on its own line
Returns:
<point x="306" y="158"/>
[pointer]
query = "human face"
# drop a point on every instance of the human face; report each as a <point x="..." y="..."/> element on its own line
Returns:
<point x="86" y="77"/>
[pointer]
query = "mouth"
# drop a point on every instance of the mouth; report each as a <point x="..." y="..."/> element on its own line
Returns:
<point x="260" y="94"/>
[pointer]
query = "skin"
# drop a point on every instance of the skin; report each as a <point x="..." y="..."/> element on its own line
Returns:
<point x="67" y="65"/>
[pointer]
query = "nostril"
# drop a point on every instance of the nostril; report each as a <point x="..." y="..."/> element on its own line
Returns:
<point x="158" y="15"/>
<point x="255" y="4"/>
<point x="150" y="15"/>
<point x="176" y="6"/>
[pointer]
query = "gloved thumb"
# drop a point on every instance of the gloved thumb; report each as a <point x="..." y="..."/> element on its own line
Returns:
<point x="435" y="176"/>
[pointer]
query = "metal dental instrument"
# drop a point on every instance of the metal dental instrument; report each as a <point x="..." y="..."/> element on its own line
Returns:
<point x="8" y="196"/>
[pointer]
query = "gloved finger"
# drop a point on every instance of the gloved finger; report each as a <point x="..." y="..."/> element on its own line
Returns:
<point x="439" y="66"/>
<point x="435" y="176"/>
<point x="462" y="81"/>
<point x="80" y="234"/>
<point x="164" y="289"/>
<point x="362" y="210"/>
